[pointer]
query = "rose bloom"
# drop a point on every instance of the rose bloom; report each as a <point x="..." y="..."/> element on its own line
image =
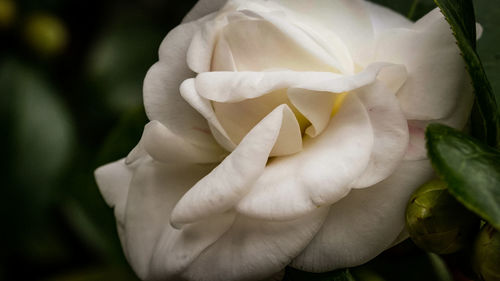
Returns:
<point x="283" y="132"/>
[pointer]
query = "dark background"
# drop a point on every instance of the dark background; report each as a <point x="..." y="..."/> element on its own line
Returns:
<point x="75" y="103"/>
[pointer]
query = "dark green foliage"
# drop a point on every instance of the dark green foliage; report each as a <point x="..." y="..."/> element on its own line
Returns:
<point x="470" y="168"/>
<point x="436" y="222"/>
<point x="460" y="15"/>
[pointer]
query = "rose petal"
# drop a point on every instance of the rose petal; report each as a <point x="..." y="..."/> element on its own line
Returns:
<point x="364" y="223"/>
<point x="390" y="132"/>
<point x="315" y="106"/>
<point x="228" y="88"/>
<point x="314" y="99"/>
<point x="320" y="174"/>
<point x="383" y="18"/>
<point x="416" y="147"/>
<point x="347" y="83"/>
<point x="233" y="87"/>
<point x="348" y="19"/>
<point x="226" y="184"/>
<point x="239" y="118"/>
<point x="204" y="107"/>
<point x="163" y="146"/>
<point x="113" y="180"/>
<point x="458" y="119"/>
<point x="162" y="99"/>
<point x="268" y="42"/>
<point x="436" y="70"/>
<point x="200" y="51"/>
<point x="254" y="249"/>
<point x="154" y="249"/>
<point x="222" y="58"/>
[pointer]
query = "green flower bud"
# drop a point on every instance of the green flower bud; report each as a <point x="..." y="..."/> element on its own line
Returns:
<point x="46" y="34"/>
<point x="436" y="222"/>
<point x="7" y="13"/>
<point x="486" y="257"/>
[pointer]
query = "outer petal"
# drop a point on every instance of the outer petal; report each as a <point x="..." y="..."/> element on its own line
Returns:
<point x="319" y="175"/>
<point x="365" y="223"/>
<point x="163" y="146"/>
<point x="390" y="131"/>
<point x="113" y="180"/>
<point x="458" y="119"/>
<point x="226" y="184"/>
<point x="216" y="248"/>
<point x="148" y="238"/>
<point x="436" y="70"/>
<point x="255" y="249"/>
<point x="162" y="99"/>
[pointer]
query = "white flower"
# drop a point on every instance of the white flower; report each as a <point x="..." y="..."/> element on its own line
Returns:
<point x="283" y="132"/>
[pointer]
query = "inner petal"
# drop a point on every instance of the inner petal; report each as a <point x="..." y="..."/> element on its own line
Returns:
<point x="316" y="106"/>
<point x="240" y="117"/>
<point x="259" y="45"/>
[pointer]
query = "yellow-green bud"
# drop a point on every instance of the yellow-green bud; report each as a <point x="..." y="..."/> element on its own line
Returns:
<point x="486" y="257"/>
<point x="46" y="34"/>
<point x="436" y="222"/>
<point x="7" y="13"/>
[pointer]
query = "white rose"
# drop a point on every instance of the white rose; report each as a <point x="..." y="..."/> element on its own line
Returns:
<point x="283" y="132"/>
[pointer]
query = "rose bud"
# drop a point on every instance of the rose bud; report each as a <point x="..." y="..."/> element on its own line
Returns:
<point x="283" y="133"/>
<point x="45" y="34"/>
<point x="486" y="257"/>
<point x="437" y="222"/>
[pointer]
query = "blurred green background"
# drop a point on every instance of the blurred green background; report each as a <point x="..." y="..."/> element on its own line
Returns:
<point x="71" y="77"/>
<point x="70" y="100"/>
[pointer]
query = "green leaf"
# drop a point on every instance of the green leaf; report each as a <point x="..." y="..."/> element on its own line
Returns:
<point x="460" y="15"/>
<point x="298" y="275"/>
<point x="470" y="168"/>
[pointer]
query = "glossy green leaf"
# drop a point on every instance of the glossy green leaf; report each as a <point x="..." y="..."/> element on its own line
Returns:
<point x="460" y="15"/>
<point x="471" y="169"/>
<point x="293" y="274"/>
